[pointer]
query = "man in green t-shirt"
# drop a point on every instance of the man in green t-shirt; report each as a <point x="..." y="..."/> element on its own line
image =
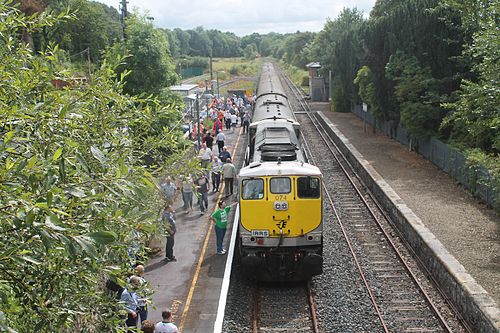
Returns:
<point x="220" y="217"/>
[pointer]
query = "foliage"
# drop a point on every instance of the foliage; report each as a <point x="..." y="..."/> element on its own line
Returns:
<point x="367" y="91"/>
<point x="195" y="62"/>
<point x="95" y="27"/>
<point x="75" y="191"/>
<point x="295" y="48"/>
<point x="148" y="66"/>
<point x="338" y="48"/>
<point x="250" y="52"/>
<point x="204" y="43"/>
<point x="297" y="75"/>
<point x="414" y="92"/>
<point x="475" y="120"/>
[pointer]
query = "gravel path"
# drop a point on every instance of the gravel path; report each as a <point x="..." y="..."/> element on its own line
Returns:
<point x="467" y="228"/>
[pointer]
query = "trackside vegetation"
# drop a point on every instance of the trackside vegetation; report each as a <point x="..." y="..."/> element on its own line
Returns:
<point x="78" y="168"/>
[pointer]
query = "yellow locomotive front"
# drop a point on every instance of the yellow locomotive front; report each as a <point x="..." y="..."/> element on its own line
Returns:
<point x="280" y="231"/>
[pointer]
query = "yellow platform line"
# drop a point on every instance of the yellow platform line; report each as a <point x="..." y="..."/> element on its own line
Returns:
<point x="202" y="254"/>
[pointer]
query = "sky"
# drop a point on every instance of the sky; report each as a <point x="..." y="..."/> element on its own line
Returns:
<point x="244" y="17"/>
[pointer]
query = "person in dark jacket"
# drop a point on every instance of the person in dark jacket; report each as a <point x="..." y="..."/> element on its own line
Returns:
<point x="170" y="229"/>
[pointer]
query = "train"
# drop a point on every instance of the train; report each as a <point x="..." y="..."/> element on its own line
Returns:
<point x="280" y="228"/>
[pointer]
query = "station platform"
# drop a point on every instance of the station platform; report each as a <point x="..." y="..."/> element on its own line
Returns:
<point x="466" y="227"/>
<point x="190" y="287"/>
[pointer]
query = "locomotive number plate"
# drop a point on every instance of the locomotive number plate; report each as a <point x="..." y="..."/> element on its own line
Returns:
<point x="281" y="205"/>
<point x="260" y="233"/>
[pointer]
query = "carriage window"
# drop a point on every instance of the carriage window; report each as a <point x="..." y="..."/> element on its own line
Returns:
<point x="308" y="187"/>
<point x="280" y="185"/>
<point x="253" y="189"/>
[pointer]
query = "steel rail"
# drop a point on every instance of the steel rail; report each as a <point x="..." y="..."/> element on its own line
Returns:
<point x="329" y="143"/>
<point x="257" y="309"/>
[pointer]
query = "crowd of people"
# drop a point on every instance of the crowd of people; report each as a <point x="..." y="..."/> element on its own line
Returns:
<point x="225" y="114"/>
<point x="216" y="168"/>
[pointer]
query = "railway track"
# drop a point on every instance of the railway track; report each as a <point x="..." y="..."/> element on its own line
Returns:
<point x="401" y="297"/>
<point x="283" y="309"/>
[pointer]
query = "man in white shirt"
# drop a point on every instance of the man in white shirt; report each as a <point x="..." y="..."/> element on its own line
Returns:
<point x="205" y="155"/>
<point x="166" y="325"/>
<point x="220" y="138"/>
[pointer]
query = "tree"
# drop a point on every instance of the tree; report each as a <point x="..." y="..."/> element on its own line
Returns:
<point x="74" y="186"/>
<point x="149" y="66"/>
<point x="415" y="94"/>
<point x="95" y="27"/>
<point x="475" y="120"/>
<point x="338" y="47"/>
<point x="250" y="51"/>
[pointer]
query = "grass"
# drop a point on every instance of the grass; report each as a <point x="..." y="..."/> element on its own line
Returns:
<point x="298" y="76"/>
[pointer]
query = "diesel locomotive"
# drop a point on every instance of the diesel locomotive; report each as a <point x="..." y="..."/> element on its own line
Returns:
<point x="280" y="232"/>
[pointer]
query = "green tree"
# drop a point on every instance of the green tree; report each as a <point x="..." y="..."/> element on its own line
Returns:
<point x="74" y="189"/>
<point x="338" y="47"/>
<point x="475" y="118"/>
<point x="149" y="66"/>
<point x="250" y="51"/>
<point x="95" y="27"/>
<point x="415" y="94"/>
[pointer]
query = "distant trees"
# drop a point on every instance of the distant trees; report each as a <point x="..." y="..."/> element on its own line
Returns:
<point x="201" y="42"/>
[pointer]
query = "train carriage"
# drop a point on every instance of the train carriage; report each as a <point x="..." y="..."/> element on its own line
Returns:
<point x="280" y="228"/>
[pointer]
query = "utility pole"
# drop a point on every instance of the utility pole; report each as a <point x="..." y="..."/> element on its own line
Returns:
<point x="198" y="116"/>
<point x="218" y="89"/>
<point x="123" y="15"/>
<point x="206" y="96"/>
<point x="211" y="72"/>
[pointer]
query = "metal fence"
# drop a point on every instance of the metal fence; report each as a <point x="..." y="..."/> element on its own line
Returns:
<point x="475" y="178"/>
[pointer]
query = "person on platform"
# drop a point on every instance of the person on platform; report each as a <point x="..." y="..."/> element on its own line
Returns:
<point x="220" y="218"/>
<point x="202" y="185"/>
<point x="224" y="155"/>
<point x="187" y="193"/>
<point x="220" y="138"/>
<point x="229" y="173"/>
<point x="148" y="326"/>
<point x="234" y="121"/>
<point x="166" y="325"/>
<point x="170" y="229"/>
<point x="142" y="310"/>
<point x="168" y="189"/>
<point x="209" y="140"/>
<point x="245" y="121"/>
<point x="216" y="170"/>
<point x="205" y="155"/>
<point x="130" y="301"/>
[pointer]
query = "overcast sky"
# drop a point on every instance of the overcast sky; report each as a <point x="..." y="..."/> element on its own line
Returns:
<point x="244" y="17"/>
